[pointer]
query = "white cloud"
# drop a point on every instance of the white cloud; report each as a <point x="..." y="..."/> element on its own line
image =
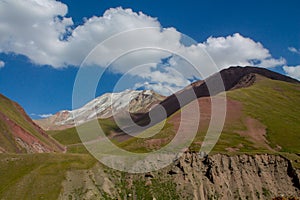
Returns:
<point x="166" y="80"/>
<point x="239" y="50"/>
<point x="35" y="28"/>
<point x="40" y="30"/>
<point x="294" y="50"/>
<point x="161" y="88"/>
<point x="271" y="62"/>
<point x="2" y="64"/>
<point x="45" y="115"/>
<point x="224" y="51"/>
<point x="293" y="71"/>
<point x="41" y="115"/>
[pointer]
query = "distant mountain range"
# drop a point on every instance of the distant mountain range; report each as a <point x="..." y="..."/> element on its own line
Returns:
<point x="103" y="107"/>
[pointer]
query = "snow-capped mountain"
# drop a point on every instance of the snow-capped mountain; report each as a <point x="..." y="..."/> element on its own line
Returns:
<point x="102" y="107"/>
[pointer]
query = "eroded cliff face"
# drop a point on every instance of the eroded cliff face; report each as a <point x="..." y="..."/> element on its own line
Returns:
<point x="234" y="177"/>
<point x="191" y="177"/>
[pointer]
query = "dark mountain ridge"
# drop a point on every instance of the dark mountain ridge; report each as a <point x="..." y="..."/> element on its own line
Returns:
<point x="232" y="77"/>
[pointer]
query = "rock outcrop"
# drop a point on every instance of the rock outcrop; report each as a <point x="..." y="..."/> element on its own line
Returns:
<point x="192" y="177"/>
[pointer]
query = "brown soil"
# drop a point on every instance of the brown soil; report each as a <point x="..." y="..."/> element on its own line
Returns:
<point x="233" y="113"/>
<point x="256" y="131"/>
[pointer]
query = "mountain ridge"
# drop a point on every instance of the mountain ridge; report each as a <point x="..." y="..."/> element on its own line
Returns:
<point x="102" y="107"/>
<point x="230" y="76"/>
<point x="243" y="129"/>
<point x="234" y="77"/>
<point x="19" y="134"/>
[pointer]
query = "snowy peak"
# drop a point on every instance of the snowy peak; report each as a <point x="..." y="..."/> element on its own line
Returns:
<point x="104" y="106"/>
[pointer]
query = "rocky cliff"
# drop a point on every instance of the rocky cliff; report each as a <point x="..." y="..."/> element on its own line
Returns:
<point x="191" y="177"/>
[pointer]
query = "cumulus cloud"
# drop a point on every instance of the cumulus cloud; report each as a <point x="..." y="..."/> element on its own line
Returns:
<point x="196" y="61"/>
<point x="294" y="50"/>
<point x="45" y="115"/>
<point x="166" y="80"/>
<point x="161" y="88"/>
<point x="41" y="115"/>
<point x="40" y="30"/>
<point x="293" y="71"/>
<point x="271" y="62"/>
<point x="2" y="64"/>
<point x="34" y="28"/>
<point x="238" y="50"/>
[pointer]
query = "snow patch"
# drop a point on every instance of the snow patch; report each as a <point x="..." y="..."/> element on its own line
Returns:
<point x="102" y="107"/>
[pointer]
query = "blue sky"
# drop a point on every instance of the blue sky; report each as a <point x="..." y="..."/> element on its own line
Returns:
<point x="41" y="78"/>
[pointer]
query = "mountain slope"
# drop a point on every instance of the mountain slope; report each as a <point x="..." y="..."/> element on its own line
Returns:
<point x="262" y="115"/>
<point x="275" y="104"/>
<point x="104" y="107"/>
<point x="233" y="78"/>
<point x="19" y="134"/>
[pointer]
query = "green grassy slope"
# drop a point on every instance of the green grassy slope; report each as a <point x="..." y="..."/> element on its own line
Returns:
<point x="7" y="141"/>
<point x="13" y="112"/>
<point x="276" y="105"/>
<point x="273" y="104"/>
<point x="37" y="176"/>
<point x="70" y="138"/>
<point x="43" y="176"/>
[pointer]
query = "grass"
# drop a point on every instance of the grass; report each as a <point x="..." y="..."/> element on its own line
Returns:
<point x="37" y="176"/>
<point x="139" y="145"/>
<point x="13" y="112"/>
<point x="7" y="141"/>
<point x="72" y="140"/>
<point x="71" y="136"/>
<point x="228" y="138"/>
<point x="275" y="104"/>
<point x="9" y="108"/>
<point x="160" y="187"/>
<point x="66" y="137"/>
<point x="77" y="148"/>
